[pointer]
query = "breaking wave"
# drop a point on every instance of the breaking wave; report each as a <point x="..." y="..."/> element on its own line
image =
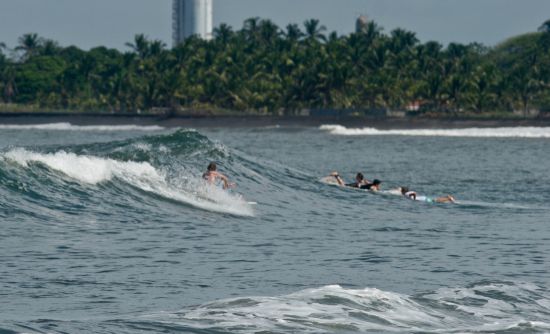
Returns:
<point x="504" y="132"/>
<point x="150" y="164"/>
<point x="485" y="307"/>
<point x="87" y="169"/>
<point x="71" y="127"/>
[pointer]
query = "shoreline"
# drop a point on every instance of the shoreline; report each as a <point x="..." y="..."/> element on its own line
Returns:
<point x="265" y="121"/>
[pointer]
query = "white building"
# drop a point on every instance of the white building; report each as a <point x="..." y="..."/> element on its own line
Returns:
<point x="192" y="17"/>
<point x="361" y="24"/>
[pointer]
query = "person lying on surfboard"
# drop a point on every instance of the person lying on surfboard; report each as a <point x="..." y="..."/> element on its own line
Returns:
<point x="374" y="186"/>
<point x="360" y="182"/>
<point x="212" y="176"/>
<point x="412" y="195"/>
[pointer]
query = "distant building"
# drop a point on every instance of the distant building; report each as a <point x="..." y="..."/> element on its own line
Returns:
<point x="192" y="17"/>
<point x="361" y="24"/>
<point x="414" y="105"/>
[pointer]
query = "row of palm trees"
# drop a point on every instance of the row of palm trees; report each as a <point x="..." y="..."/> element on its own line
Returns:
<point x="263" y="68"/>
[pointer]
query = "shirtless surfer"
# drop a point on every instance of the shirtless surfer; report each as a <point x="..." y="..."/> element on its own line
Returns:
<point x="212" y="175"/>
<point x="412" y="195"/>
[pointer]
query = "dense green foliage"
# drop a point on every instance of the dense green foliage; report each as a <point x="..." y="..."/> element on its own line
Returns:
<point x="264" y="68"/>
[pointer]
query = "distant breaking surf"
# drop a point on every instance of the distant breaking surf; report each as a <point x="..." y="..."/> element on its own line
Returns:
<point x="503" y="132"/>
<point x="71" y="127"/>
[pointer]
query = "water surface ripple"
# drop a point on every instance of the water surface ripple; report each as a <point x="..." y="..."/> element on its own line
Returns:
<point x="110" y="230"/>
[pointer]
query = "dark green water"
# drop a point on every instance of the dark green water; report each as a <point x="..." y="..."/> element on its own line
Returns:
<point x="110" y="230"/>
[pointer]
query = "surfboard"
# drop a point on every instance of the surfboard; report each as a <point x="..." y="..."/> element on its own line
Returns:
<point x="331" y="180"/>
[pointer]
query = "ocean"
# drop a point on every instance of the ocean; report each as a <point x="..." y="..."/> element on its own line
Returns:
<point x="110" y="229"/>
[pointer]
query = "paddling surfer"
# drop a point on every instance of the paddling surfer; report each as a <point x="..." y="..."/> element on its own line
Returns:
<point x="360" y="181"/>
<point x="374" y="186"/>
<point x="412" y="195"/>
<point x="212" y="176"/>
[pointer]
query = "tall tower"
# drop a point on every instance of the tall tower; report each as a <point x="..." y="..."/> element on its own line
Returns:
<point x="361" y="25"/>
<point x="192" y="17"/>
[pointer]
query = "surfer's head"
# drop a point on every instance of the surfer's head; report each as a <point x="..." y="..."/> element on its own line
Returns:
<point x="376" y="182"/>
<point x="404" y="190"/>
<point x="359" y="177"/>
<point x="212" y="167"/>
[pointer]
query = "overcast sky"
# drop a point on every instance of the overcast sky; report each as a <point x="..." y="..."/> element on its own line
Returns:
<point x="88" y="23"/>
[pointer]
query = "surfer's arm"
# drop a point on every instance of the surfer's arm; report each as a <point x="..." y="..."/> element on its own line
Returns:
<point x="225" y="180"/>
<point x="338" y="178"/>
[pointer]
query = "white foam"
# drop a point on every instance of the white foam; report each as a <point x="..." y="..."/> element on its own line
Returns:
<point x="87" y="169"/>
<point x="503" y="132"/>
<point x="93" y="170"/>
<point x="333" y="309"/>
<point x="142" y="147"/>
<point x="71" y="127"/>
<point x="306" y="311"/>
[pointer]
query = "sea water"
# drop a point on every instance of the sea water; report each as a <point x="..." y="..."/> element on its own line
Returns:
<point x="110" y="229"/>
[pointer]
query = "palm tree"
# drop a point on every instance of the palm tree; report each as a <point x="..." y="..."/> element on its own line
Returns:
<point x="293" y="33"/>
<point x="156" y="47"/>
<point x="482" y="84"/>
<point x="545" y="27"/>
<point x="372" y="31"/>
<point x="402" y="40"/>
<point x="314" y="32"/>
<point x="10" y="86"/>
<point x="456" y="51"/>
<point x="428" y="71"/>
<point x="523" y="79"/>
<point x="49" y="47"/>
<point x="262" y="67"/>
<point x="544" y="40"/>
<point x="140" y="46"/>
<point x="2" y="56"/>
<point x="29" y="44"/>
<point x="250" y="29"/>
<point x="223" y="33"/>
<point x="269" y="32"/>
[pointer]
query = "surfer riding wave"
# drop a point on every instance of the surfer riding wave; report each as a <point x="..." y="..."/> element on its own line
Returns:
<point x="212" y="176"/>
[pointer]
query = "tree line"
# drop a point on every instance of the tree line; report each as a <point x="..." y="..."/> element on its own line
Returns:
<point x="264" y="68"/>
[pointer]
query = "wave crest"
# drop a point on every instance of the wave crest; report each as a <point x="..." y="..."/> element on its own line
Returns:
<point x="87" y="169"/>
<point x="63" y="126"/>
<point x="92" y="170"/>
<point x="503" y="132"/>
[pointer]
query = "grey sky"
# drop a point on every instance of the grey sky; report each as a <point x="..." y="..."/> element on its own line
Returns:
<point x="88" y="23"/>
